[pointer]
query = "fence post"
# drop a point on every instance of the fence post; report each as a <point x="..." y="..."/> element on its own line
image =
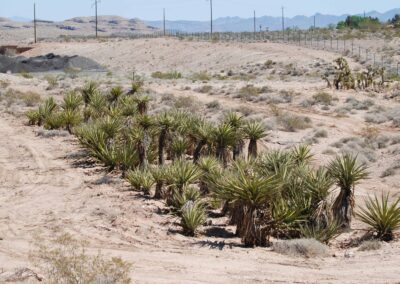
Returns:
<point x="359" y="52"/>
<point x="366" y="55"/>
<point x="337" y="44"/>
<point x="397" y="68"/>
<point x="352" y="46"/>
<point x="331" y="42"/>
<point x="374" y="59"/>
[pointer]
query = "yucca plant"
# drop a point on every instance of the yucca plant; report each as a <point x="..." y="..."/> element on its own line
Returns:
<point x="302" y="154"/>
<point x="115" y="94"/>
<point x="71" y="118"/>
<point x="235" y="120"/>
<point x="211" y="169"/>
<point x="224" y="136"/>
<point x="97" y="106"/>
<point x="127" y="105"/>
<point x="72" y="101"/>
<point x="33" y="117"/>
<point x="347" y="173"/>
<point x="160" y="177"/>
<point x="141" y="180"/>
<point x="179" y="147"/>
<point x="193" y="216"/>
<point x="127" y="157"/>
<point x="142" y="103"/>
<point x="46" y="109"/>
<point x="250" y="192"/>
<point x="321" y="232"/>
<point x="202" y="131"/>
<point x="165" y="122"/>
<point x="88" y="91"/>
<point x="182" y="174"/>
<point x="111" y="126"/>
<point x="381" y="216"/>
<point x="180" y="198"/>
<point x="254" y="131"/>
<point x="55" y="120"/>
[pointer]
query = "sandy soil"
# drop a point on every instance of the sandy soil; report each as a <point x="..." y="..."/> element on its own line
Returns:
<point x="46" y="188"/>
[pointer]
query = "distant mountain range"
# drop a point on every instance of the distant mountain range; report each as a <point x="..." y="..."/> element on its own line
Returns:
<point x="237" y="24"/>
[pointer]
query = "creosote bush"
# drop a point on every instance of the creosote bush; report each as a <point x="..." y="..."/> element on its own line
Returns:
<point x="307" y="248"/>
<point x="66" y="260"/>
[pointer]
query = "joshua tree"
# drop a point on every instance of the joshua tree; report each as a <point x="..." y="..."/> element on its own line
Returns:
<point x="346" y="173"/>
<point x="165" y="122"/>
<point x="236" y="121"/>
<point x="143" y="142"/>
<point x="254" y="131"/>
<point x="142" y="104"/>
<point x="203" y="132"/>
<point x="159" y="175"/>
<point x="251" y="192"/>
<point x="115" y="94"/>
<point x="224" y="136"/>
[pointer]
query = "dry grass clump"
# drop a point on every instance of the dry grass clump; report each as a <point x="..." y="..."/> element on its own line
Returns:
<point x="52" y="82"/>
<point x="292" y="122"/>
<point x="301" y="248"/>
<point x="370" y="245"/>
<point x="28" y="99"/>
<point x="66" y="260"/>
<point x="171" y="75"/>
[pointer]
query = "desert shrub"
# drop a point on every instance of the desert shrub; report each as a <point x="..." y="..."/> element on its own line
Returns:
<point x="213" y="105"/>
<point x="171" y="75"/>
<point x="51" y="81"/>
<point x="14" y="97"/>
<point x="200" y="76"/>
<point x="292" y="122"/>
<point x="193" y="216"/>
<point x="66" y="260"/>
<point x="320" y="133"/>
<point x="370" y="245"/>
<point x="185" y="102"/>
<point x="323" y="98"/>
<point x="394" y="115"/>
<point x="353" y="103"/>
<point x="391" y="171"/>
<point x="248" y="92"/>
<point x="26" y="75"/>
<point x="381" y="216"/>
<point x="301" y="248"/>
<point x="376" y="118"/>
<point x="204" y="89"/>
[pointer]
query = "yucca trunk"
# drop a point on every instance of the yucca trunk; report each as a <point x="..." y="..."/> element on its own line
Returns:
<point x="222" y="155"/>
<point x="238" y="149"/>
<point x="142" y="108"/>
<point x="253" y="152"/>
<point x="161" y="146"/>
<point x="159" y="190"/>
<point x="142" y="150"/>
<point x="197" y="151"/>
<point x="250" y="232"/>
<point x="343" y="206"/>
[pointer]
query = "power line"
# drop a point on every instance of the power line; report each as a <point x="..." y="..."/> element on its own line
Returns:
<point x="283" y="19"/>
<point x="164" y="21"/>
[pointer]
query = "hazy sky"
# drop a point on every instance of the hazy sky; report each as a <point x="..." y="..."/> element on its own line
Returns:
<point x="188" y="9"/>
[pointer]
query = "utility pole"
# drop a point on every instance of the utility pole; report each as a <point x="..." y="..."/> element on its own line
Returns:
<point x="255" y="23"/>
<point x="34" y="22"/>
<point x="96" y="18"/>
<point x="164" y="21"/>
<point x="211" y="18"/>
<point x="314" y="21"/>
<point x="283" y="22"/>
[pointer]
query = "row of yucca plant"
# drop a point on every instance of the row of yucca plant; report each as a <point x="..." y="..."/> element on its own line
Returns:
<point x="191" y="163"/>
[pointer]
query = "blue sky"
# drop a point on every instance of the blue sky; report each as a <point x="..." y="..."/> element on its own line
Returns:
<point x="188" y="9"/>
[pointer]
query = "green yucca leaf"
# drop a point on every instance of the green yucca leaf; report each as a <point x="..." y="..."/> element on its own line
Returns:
<point x="381" y="216"/>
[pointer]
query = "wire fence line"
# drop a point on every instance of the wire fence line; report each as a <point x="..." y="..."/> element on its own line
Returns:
<point x="345" y="47"/>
